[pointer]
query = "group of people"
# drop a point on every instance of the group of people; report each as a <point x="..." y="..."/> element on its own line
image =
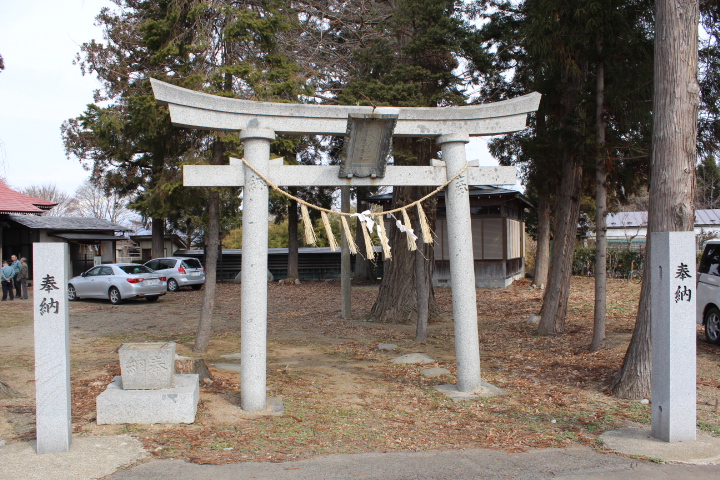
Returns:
<point x="14" y="275"/>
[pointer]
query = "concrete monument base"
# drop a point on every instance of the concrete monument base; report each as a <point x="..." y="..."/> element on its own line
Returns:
<point x="639" y="441"/>
<point x="485" y="390"/>
<point x="165" y="405"/>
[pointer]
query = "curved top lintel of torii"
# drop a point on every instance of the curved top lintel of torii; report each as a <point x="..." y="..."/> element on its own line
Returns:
<point x="193" y="109"/>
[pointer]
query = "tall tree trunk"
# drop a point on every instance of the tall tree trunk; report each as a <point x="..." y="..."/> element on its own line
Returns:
<point x="567" y="211"/>
<point x="158" y="238"/>
<point x="293" y="256"/>
<point x="542" y="254"/>
<point x="397" y="297"/>
<point x="598" y="339"/>
<point x="672" y="169"/>
<point x="633" y="380"/>
<point x="202" y="341"/>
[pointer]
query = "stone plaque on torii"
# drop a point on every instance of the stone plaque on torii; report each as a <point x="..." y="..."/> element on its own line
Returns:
<point x="259" y="122"/>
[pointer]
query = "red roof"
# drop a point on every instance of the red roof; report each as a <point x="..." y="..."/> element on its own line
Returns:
<point x="16" y="202"/>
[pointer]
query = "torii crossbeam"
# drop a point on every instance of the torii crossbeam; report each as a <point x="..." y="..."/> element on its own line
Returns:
<point x="259" y="122"/>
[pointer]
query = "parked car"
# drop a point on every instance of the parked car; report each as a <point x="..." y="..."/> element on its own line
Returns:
<point x="180" y="272"/>
<point x="708" y="291"/>
<point x="118" y="282"/>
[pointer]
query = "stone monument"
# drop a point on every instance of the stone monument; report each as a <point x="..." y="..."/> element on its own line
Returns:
<point x="52" y="347"/>
<point x="147" y="366"/>
<point x="672" y="281"/>
<point x="148" y="390"/>
<point x="259" y="122"/>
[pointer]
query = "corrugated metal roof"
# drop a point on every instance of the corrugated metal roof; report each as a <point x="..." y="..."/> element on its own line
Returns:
<point x="474" y="191"/>
<point x="707" y="218"/>
<point x="627" y="219"/>
<point x="67" y="223"/>
<point x="639" y="219"/>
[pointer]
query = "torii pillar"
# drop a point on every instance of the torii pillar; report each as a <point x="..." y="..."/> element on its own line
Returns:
<point x="259" y="122"/>
<point x="462" y="264"/>
<point x="253" y="323"/>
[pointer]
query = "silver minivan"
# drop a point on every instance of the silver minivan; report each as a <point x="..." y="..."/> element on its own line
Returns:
<point x="179" y="271"/>
<point x="708" y="291"/>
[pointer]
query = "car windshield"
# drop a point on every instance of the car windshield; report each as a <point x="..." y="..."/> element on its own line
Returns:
<point x="135" y="269"/>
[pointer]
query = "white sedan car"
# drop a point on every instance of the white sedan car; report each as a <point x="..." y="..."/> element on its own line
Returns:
<point x="117" y="282"/>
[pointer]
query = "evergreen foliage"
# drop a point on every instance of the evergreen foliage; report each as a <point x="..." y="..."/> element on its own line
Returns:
<point x="421" y="53"/>
<point x="619" y="261"/>
<point x="550" y="46"/>
<point x="707" y="184"/>
<point x="709" y="78"/>
<point x="221" y="47"/>
<point x="593" y="118"/>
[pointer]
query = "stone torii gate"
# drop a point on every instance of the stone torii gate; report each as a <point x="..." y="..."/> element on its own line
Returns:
<point x="259" y="122"/>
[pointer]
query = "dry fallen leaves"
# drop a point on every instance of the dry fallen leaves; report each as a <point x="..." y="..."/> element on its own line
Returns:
<point x="342" y="394"/>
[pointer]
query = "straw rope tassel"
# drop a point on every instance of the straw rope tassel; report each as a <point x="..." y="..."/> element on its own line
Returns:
<point x="369" y="252"/>
<point x="384" y="242"/>
<point x="348" y="235"/>
<point x="328" y="230"/>
<point x="424" y="225"/>
<point x="410" y="240"/>
<point x="310" y="238"/>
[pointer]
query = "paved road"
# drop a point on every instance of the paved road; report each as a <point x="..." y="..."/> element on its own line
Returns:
<point x="575" y="463"/>
<point x="107" y="457"/>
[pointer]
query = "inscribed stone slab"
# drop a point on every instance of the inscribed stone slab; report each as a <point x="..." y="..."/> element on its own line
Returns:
<point x="147" y="365"/>
<point x="52" y="347"/>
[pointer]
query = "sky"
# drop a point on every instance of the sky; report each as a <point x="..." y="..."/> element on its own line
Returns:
<point x="40" y="88"/>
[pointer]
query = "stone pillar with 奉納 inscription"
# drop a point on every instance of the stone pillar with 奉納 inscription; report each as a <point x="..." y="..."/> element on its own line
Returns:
<point x="673" y="329"/>
<point x="52" y="347"/>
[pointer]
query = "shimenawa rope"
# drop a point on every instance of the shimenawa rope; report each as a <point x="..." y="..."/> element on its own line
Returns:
<point x="364" y="217"/>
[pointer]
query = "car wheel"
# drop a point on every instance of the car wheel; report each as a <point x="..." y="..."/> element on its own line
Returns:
<point x="152" y="298"/>
<point x="712" y="325"/>
<point x="173" y="285"/>
<point x="114" y="296"/>
<point x="72" y="295"/>
<point x="196" y="287"/>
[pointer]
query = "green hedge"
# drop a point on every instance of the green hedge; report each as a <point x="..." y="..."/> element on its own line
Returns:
<point x="619" y="262"/>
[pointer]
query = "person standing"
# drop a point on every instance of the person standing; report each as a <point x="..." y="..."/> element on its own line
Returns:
<point x="21" y="280"/>
<point x="6" y="275"/>
<point x="16" y="265"/>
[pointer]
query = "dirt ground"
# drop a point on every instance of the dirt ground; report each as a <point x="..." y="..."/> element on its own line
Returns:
<point x="340" y="393"/>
